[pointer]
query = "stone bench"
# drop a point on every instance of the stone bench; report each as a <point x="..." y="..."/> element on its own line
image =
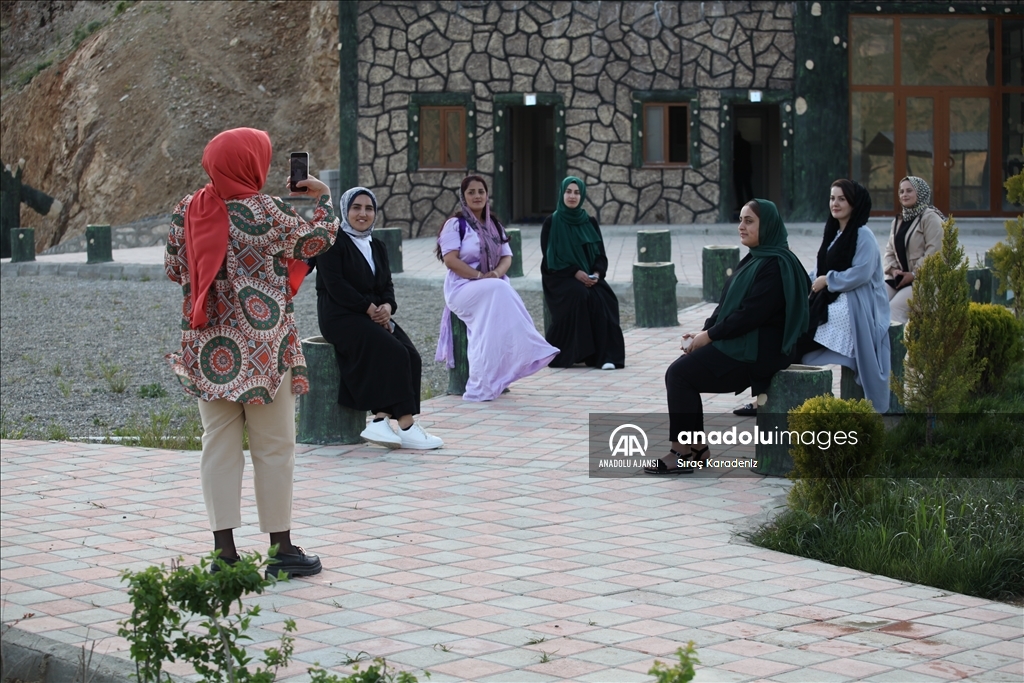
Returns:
<point x="789" y="388"/>
<point x="321" y="419"/>
<point x="98" y="244"/>
<point x="848" y="387"/>
<point x="515" y="243"/>
<point x="392" y="239"/>
<point x="654" y="294"/>
<point x="459" y="375"/>
<point x="718" y="263"/>
<point x="653" y="246"/>
<point x="23" y="245"/>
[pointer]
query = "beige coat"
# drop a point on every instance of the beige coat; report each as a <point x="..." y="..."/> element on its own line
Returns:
<point x="924" y="238"/>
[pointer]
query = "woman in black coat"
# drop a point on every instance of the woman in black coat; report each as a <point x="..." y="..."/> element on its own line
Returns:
<point x="584" y="309"/>
<point x="380" y="367"/>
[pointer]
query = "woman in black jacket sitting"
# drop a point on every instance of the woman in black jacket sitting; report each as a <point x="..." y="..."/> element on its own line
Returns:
<point x="762" y="313"/>
<point x="380" y="367"/>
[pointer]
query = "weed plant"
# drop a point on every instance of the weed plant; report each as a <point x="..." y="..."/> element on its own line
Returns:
<point x="179" y="428"/>
<point x="115" y="376"/>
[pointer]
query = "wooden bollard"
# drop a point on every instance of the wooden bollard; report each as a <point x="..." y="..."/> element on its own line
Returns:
<point x="515" y="242"/>
<point x="1006" y="297"/>
<point x="654" y="295"/>
<point x="98" y="244"/>
<point x="897" y="353"/>
<point x="23" y="245"/>
<point x="718" y="265"/>
<point x="653" y="246"/>
<point x="459" y="375"/>
<point x="392" y="239"/>
<point x="789" y="388"/>
<point x="322" y="419"/>
<point x="980" y="280"/>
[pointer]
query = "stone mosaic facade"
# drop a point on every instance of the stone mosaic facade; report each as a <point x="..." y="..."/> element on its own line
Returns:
<point x="597" y="56"/>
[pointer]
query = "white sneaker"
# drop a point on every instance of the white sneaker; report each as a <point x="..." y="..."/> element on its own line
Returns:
<point x="382" y="434"/>
<point x="416" y="438"/>
<point x="608" y="366"/>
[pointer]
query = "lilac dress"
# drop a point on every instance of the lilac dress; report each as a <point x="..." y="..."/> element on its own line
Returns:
<point x="504" y="344"/>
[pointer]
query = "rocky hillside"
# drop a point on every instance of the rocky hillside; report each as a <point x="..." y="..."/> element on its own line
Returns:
<point x="111" y="103"/>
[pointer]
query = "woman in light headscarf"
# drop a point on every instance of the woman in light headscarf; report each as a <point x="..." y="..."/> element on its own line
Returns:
<point x="379" y="365"/>
<point x="849" y="309"/>
<point x="237" y="253"/>
<point x="584" y="310"/>
<point x="916" y="234"/>
<point x="749" y="337"/>
<point x="504" y="344"/>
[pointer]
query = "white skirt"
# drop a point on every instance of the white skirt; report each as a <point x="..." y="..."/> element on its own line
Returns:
<point x="837" y="334"/>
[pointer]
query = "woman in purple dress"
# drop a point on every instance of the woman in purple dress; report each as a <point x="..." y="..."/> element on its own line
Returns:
<point x="504" y="344"/>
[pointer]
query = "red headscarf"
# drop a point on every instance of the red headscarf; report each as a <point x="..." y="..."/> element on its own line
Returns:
<point x="237" y="162"/>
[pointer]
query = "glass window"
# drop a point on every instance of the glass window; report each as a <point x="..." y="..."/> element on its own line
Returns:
<point x="968" y="153"/>
<point x="940" y="51"/>
<point x="1013" y="141"/>
<point x="442" y="137"/>
<point x="873" y="163"/>
<point x="666" y="134"/>
<point x="921" y="138"/>
<point x="1013" y="52"/>
<point x="871" y="53"/>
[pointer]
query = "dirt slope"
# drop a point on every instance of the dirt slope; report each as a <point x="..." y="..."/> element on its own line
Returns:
<point x="115" y="126"/>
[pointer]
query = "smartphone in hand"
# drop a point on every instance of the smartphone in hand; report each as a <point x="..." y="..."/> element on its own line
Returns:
<point x="299" y="170"/>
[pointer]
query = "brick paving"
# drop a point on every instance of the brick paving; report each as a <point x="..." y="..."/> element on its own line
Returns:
<point x="456" y="560"/>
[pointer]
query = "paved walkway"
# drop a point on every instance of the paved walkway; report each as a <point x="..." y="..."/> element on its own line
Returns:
<point x="497" y="558"/>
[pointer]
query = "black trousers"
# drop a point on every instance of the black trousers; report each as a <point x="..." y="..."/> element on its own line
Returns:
<point x="706" y="370"/>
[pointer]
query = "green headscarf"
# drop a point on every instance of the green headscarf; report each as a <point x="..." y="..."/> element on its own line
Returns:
<point x="773" y="242"/>
<point x="573" y="241"/>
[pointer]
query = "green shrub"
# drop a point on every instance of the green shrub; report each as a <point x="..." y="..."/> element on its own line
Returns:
<point x="939" y="373"/>
<point x="1000" y="344"/>
<point x="823" y="470"/>
<point x="683" y="672"/>
<point x="154" y="390"/>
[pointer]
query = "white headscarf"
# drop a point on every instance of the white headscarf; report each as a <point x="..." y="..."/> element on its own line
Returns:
<point x="362" y="238"/>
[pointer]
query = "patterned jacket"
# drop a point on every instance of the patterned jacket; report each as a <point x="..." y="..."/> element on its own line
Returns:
<point x="251" y="339"/>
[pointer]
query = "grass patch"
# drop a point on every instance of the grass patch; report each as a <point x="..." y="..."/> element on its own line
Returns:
<point x="26" y="76"/>
<point x="154" y="390"/>
<point x="9" y="429"/>
<point x="179" y="429"/>
<point x="948" y="515"/>
<point x="115" y="376"/>
<point x="83" y="32"/>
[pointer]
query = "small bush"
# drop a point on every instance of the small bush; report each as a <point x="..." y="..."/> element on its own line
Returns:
<point x="83" y="32"/>
<point x="823" y="469"/>
<point x="683" y="672"/>
<point x="154" y="390"/>
<point x="1000" y="344"/>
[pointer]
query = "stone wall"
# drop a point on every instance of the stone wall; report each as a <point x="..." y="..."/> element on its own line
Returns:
<point x="597" y="56"/>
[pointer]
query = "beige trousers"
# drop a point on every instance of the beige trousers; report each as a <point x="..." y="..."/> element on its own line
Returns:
<point x="272" y="448"/>
<point x="898" y="299"/>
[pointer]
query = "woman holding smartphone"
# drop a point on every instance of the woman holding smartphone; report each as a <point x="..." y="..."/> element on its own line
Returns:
<point x="584" y="309"/>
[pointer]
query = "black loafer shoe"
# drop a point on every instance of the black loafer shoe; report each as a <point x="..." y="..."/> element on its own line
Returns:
<point x="215" y="565"/>
<point x="746" y="410"/>
<point x="294" y="564"/>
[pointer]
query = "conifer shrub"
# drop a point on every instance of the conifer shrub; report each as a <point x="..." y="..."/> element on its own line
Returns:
<point x="1008" y="256"/>
<point x="824" y="474"/>
<point x="1000" y="343"/>
<point x="939" y="371"/>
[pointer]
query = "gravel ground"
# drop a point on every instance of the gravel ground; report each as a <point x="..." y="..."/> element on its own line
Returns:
<point x="85" y="358"/>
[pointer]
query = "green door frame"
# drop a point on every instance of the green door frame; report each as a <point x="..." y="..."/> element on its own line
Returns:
<point x="501" y="191"/>
<point x="726" y="192"/>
